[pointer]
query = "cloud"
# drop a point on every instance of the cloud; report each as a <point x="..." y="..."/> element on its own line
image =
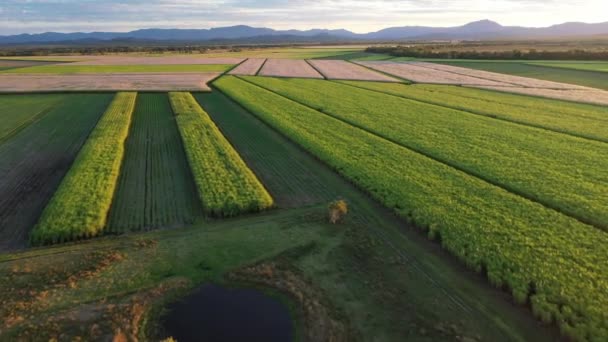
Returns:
<point x="17" y="16"/>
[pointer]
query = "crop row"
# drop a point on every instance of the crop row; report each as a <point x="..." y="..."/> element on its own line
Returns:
<point x="80" y="206"/>
<point x="17" y="111"/>
<point x="225" y="184"/>
<point x="550" y="260"/>
<point x="560" y="171"/>
<point x="155" y="188"/>
<point x="581" y="120"/>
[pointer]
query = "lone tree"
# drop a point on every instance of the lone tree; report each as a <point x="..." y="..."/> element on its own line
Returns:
<point x="337" y="210"/>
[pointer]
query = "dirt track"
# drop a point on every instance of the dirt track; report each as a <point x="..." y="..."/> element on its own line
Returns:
<point x="11" y="83"/>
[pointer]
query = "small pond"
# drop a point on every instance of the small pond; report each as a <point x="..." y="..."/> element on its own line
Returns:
<point x="216" y="313"/>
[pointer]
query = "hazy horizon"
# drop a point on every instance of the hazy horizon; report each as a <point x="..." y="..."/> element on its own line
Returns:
<point x="36" y="16"/>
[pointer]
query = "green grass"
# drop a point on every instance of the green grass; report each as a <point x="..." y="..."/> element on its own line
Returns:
<point x="594" y="79"/>
<point x="74" y="69"/>
<point x="525" y="160"/>
<point x="359" y="56"/>
<point x="590" y="66"/>
<point x="18" y="111"/>
<point x="582" y="120"/>
<point x="540" y="255"/>
<point x="34" y="161"/>
<point x="155" y="188"/>
<point x="225" y="184"/>
<point x="80" y="207"/>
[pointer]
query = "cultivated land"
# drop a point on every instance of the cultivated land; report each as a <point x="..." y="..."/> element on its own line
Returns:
<point x="591" y="66"/>
<point x="494" y="231"/>
<point x="288" y="68"/>
<point x="18" y="111"/>
<point x="106" y="82"/>
<point x="225" y="184"/>
<point x="594" y="79"/>
<point x="489" y="175"/>
<point x="79" y="208"/>
<point x="250" y="67"/>
<point x="69" y="68"/>
<point x="34" y="161"/>
<point x="341" y="70"/>
<point x="155" y="189"/>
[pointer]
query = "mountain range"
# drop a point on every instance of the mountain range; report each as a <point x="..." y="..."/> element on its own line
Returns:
<point x="484" y="29"/>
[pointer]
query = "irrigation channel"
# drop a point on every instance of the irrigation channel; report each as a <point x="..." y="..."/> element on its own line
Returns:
<point x="217" y="313"/>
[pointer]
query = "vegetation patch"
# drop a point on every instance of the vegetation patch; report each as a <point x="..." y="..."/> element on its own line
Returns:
<point x="226" y="185"/>
<point x="540" y="256"/>
<point x="80" y="206"/>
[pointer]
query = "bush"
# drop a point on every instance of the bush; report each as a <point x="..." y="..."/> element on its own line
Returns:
<point x="337" y="210"/>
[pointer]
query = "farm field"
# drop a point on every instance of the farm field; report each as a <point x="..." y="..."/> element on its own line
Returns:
<point x="513" y="227"/>
<point x="17" y="83"/>
<point x="68" y="68"/>
<point x="250" y="67"/>
<point x="34" y="161"/>
<point x="288" y="68"/>
<point x="341" y="70"/>
<point x="590" y="66"/>
<point x="585" y="78"/>
<point x="155" y="188"/>
<point x="582" y="120"/>
<point x="521" y="159"/>
<point x="79" y="208"/>
<point x="17" y="111"/>
<point x="225" y="184"/>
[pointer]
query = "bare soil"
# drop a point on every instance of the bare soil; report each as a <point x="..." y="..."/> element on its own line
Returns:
<point x="163" y="60"/>
<point x="249" y="68"/>
<point x="342" y="70"/>
<point x="11" y="83"/>
<point x="289" y="68"/>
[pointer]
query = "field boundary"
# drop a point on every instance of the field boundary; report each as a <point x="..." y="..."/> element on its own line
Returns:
<point x="316" y="69"/>
<point x="399" y="78"/>
<point x="257" y="73"/>
<point x="480" y="113"/>
<point x="447" y="163"/>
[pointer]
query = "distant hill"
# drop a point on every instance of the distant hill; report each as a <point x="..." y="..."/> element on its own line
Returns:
<point x="484" y="29"/>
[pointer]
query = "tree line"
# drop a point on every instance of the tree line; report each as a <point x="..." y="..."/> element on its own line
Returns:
<point x="532" y="54"/>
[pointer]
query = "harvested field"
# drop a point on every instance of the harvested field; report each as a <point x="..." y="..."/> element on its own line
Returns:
<point x="155" y="188"/>
<point x="493" y="76"/>
<point x="107" y="82"/>
<point x="163" y="60"/>
<point x="66" y="68"/>
<point x="249" y="68"/>
<point x="33" y="162"/>
<point x="421" y="74"/>
<point x="588" y="95"/>
<point x="342" y="70"/>
<point x="288" y="68"/>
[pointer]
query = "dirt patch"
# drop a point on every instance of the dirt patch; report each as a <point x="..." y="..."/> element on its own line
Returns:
<point x="106" y="82"/>
<point x="249" y="68"/>
<point x="317" y="321"/>
<point x="342" y="70"/>
<point x="289" y="68"/>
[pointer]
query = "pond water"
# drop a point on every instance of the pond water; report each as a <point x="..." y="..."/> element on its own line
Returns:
<point x="215" y="313"/>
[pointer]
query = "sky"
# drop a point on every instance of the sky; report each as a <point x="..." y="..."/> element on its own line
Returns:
<point x="34" y="16"/>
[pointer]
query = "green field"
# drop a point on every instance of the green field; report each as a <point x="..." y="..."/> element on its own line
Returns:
<point x="80" y="69"/>
<point x="79" y="208"/>
<point x="543" y="257"/>
<point x="34" y="161"/>
<point x="590" y="66"/>
<point x="155" y="189"/>
<point x="524" y="160"/>
<point x="18" y="111"/>
<point x="582" y="120"/>
<point x="225" y="184"/>
<point x="594" y="79"/>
